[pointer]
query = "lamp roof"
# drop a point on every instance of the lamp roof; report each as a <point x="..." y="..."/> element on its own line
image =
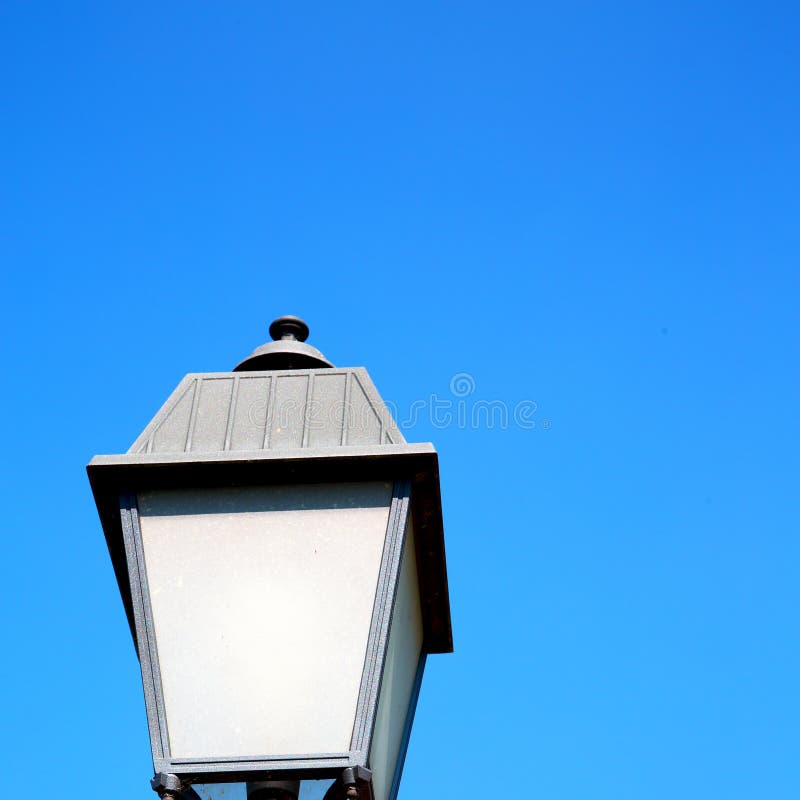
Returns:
<point x="260" y="410"/>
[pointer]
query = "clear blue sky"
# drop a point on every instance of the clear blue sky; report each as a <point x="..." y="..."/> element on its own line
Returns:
<point x="590" y="206"/>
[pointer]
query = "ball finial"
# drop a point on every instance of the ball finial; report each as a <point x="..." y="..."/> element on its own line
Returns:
<point x="289" y="327"/>
<point x="288" y="349"/>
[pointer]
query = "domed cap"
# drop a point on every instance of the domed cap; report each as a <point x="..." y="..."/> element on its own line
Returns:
<point x="288" y="349"/>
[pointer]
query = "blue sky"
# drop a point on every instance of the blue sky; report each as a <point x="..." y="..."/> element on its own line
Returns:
<point x="590" y="207"/>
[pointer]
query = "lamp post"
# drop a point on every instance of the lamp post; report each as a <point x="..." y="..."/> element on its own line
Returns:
<point x="280" y="555"/>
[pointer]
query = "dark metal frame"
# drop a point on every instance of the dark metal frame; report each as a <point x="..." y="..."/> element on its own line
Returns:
<point x="414" y="471"/>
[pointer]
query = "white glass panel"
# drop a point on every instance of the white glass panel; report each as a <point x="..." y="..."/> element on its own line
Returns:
<point x="262" y="599"/>
<point x="402" y="658"/>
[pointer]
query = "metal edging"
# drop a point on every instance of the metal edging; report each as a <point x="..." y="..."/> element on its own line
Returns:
<point x="145" y="634"/>
<point x="386" y="592"/>
<point x="412" y="708"/>
<point x="214" y="770"/>
<point x="256" y="758"/>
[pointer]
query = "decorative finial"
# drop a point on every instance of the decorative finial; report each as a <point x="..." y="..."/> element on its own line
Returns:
<point x="287" y="350"/>
<point x="289" y="327"/>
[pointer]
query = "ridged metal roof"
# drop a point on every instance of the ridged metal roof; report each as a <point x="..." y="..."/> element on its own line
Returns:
<point x="255" y="411"/>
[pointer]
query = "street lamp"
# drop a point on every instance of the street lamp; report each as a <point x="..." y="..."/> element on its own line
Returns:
<point x="280" y="555"/>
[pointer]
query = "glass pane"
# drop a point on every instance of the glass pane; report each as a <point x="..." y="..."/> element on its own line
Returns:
<point x="262" y="599"/>
<point x="399" y="673"/>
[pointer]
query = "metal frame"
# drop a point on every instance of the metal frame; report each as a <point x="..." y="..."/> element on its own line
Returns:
<point x="412" y="709"/>
<point x="262" y="767"/>
<point x="114" y="476"/>
<point x="380" y="625"/>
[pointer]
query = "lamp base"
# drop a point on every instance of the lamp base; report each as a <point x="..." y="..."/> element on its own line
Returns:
<point x="273" y="790"/>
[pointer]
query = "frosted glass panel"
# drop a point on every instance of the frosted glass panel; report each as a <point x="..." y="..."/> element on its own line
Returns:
<point x="402" y="658"/>
<point x="262" y="599"/>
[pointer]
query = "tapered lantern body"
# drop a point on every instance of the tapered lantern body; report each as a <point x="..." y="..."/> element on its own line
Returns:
<point x="280" y="555"/>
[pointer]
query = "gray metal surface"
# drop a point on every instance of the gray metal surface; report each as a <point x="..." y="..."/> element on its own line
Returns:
<point x="250" y="411"/>
<point x="143" y="630"/>
<point x="380" y="623"/>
